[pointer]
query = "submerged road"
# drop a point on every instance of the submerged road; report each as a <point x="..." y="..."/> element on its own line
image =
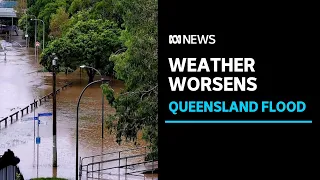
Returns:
<point x="20" y="84"/>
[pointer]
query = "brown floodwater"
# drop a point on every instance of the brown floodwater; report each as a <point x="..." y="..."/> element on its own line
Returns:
<point x="21" y="81"/>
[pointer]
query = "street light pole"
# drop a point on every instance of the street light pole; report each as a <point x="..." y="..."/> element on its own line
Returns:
<point x="42" y="31"/>
<point x="26" y="29"/>
<point x="54" y="128"/>
<point x="35" y="40"/>
<point x="77" y="126"/>
<point x="102" y="107"/>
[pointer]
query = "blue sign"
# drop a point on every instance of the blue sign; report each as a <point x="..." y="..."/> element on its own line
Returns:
<point x="27" y="119"/>
<point x="44" y="114"/>
<point x="38" y="140"/>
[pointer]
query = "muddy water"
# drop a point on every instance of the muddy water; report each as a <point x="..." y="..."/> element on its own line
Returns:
<point x="21" y="81"/>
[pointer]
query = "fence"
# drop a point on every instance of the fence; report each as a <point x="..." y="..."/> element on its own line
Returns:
<point x="8" y="173"/>
<point x="124" y="164"/>
<point x="15" y="116"/>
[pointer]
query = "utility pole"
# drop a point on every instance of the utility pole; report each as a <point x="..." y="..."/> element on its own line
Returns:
<point x="42" y="32"/>
<point x="102" y="95"/>
<point x="35" y="40"/>
<point x="26" y="29"/>
<point x="54" y="129"/>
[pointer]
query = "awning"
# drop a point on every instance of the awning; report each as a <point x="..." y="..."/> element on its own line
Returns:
<point x="7" y="12"/>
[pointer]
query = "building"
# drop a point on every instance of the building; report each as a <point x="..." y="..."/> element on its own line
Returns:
<point x="8" y="19"/>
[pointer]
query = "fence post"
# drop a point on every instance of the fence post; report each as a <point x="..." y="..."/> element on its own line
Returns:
<point x="125" y="174"/>
<point x="119" y="164"/>
<point x="87" y="171"/>
<point x="99" y="175"/>
<point x="152" y="165"/>
<point x="80" y="168"/>
<point x="92" y="165"/>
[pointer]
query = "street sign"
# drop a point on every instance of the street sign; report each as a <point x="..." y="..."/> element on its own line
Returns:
<point x="37" y="44"/>
<point x="38" y="140"/>
<point x="44" y="114"/>
<point x="29" y="118"/>
<point x="26" y="35"/>
<point x="44" y="122"/>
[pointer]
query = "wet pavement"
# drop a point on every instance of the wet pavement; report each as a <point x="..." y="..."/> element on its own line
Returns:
<point x="21" y="81"/>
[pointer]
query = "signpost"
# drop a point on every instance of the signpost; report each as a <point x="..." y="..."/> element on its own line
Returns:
<point x="37" y="45"/>
<point x="38" y="139"/>
<point x="26" y="36"/>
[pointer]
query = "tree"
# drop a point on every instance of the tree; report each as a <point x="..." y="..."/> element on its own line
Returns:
<point x="137" y="107"/>
<point x="106" y="9"/>
<point x="58" y="23"/>
<point x="66" y="52"/>
<point x="90" y="43"/>
<point x="79" y="5"/>
<point x="21" y="7"/>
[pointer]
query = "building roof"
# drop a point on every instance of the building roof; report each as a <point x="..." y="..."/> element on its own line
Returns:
<point x="8" y="4"/>
<point x="7" y="12"/>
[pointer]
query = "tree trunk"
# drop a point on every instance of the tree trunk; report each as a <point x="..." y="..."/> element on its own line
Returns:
<point x="91" y="74"/>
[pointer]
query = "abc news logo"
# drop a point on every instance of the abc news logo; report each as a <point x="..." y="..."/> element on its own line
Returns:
<point x="192" y="39"/>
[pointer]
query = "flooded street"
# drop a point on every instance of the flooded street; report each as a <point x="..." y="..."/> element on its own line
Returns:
<point x="21" y="81"/>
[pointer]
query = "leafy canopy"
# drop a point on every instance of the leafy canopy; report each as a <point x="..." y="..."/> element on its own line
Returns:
<point x="137" y="107"/>
<point x="87" y="42"/>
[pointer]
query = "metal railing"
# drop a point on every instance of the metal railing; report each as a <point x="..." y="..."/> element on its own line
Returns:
<point x="15" y="116"/>
<point x="120" y="163"/>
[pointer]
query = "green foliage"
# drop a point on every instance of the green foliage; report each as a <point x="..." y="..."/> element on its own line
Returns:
<point x="22" y="22"/>
<point x="79" y="5"/>
<point x="18" y="176"/>
<point x="65" y="51"/>
<point x="137" y="107"/>
<point x="59" y="23"/>
<point x="42" y="9"/>
<point x="108" y="91"/>
<point x="20" y="7"/>
<point x="87" y="42"/>
<point x="91" y="32"/>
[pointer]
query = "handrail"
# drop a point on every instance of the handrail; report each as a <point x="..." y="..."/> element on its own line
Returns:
<point x="116" y="159"/>
<point x="135" y="163"/>
<point x="99" y="155"/>
<point x="14" y="114"/>
<point x="119" y="167"/>
<point x="4" y="119"/>
<point x="32" y="105"/>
